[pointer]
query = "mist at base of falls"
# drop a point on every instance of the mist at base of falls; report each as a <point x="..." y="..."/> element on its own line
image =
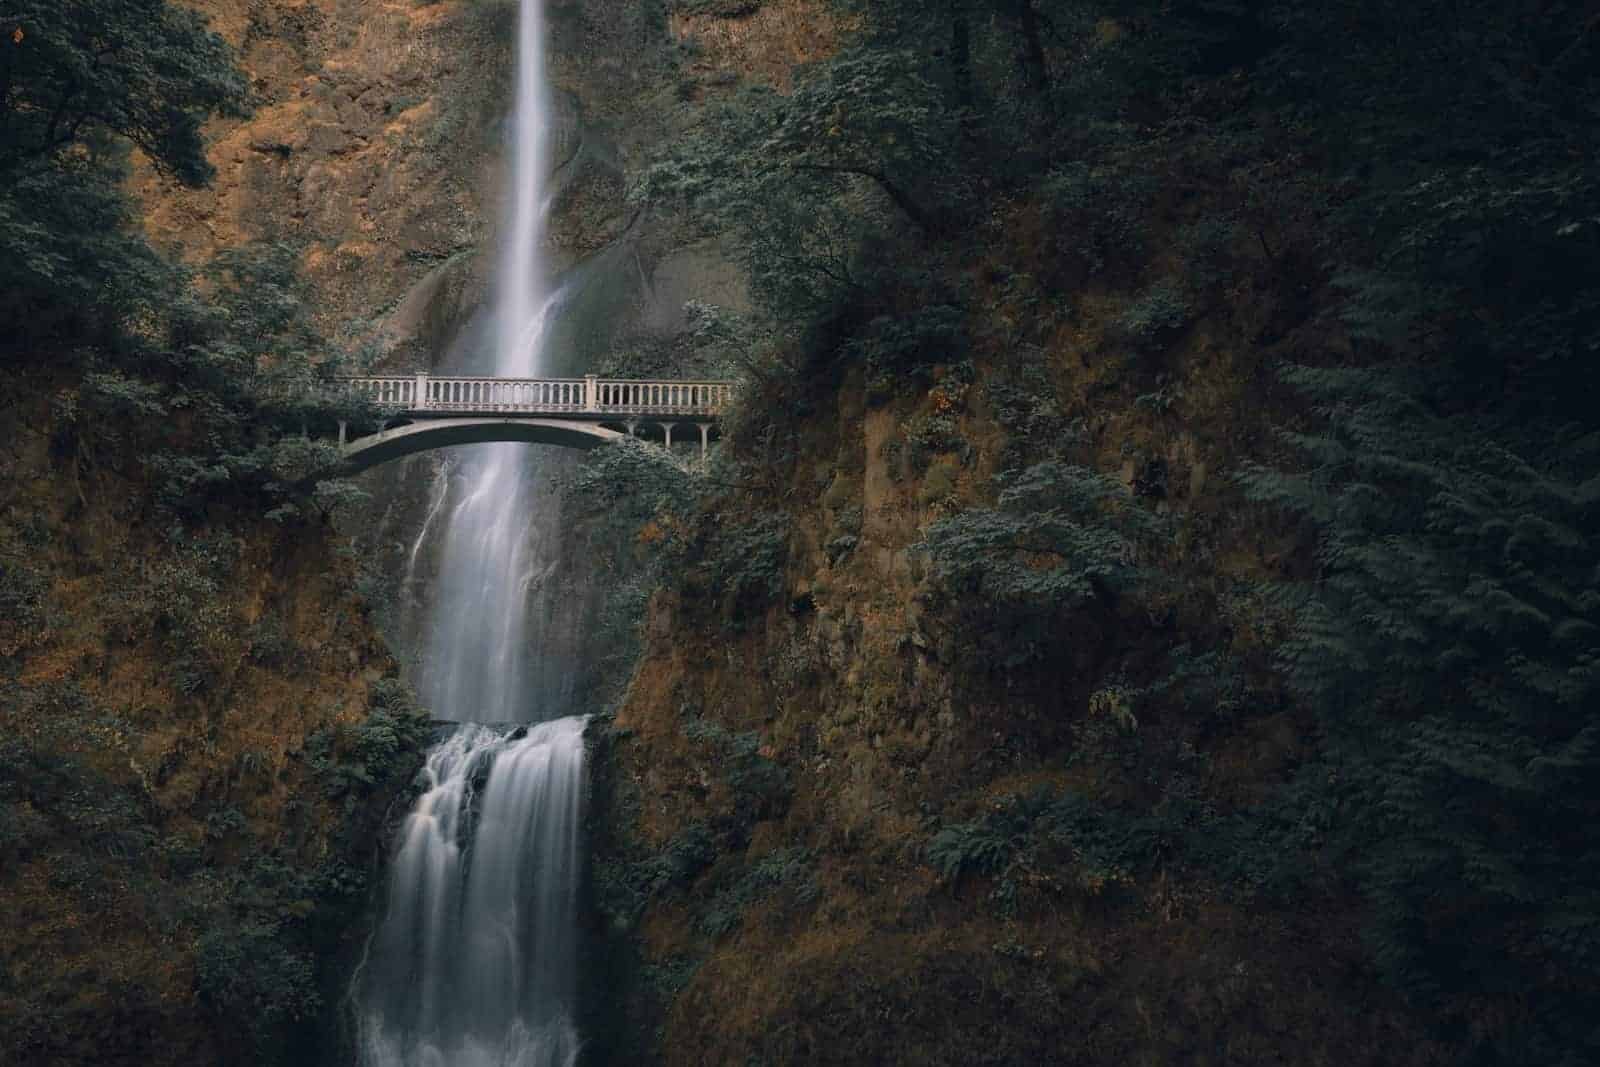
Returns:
<point x="475" y="963"/>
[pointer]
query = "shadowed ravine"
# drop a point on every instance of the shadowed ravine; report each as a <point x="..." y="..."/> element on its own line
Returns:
<point x="475" y="959"/>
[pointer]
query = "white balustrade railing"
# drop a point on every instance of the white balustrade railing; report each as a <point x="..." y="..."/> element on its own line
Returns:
<point x="589" y="395"/>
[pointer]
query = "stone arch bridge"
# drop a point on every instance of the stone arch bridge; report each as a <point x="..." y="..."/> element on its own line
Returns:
<point x="426" y="412"/>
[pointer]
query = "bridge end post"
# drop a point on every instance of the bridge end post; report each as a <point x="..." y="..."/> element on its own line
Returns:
<point x="591" y="393"/>
<point x="421" y="401"/>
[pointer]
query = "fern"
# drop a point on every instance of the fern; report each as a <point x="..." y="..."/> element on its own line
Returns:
<point x="1450" y="648"/>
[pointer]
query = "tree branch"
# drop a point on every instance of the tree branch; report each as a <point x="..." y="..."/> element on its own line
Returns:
<point x="902" y="200"/>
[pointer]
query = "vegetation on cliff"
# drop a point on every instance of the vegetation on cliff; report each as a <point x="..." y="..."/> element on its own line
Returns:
<point x="1177" y="421"/>
<point x="201" y="731"/>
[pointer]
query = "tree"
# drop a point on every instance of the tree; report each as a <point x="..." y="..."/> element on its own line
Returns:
<point x="142" y="70"/>
<point x="80" y="80"/>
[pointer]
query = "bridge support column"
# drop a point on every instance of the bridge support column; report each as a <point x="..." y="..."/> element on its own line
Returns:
<point x="705" y="440"/>
<point x="343" y="432"/>
<point x="633" y="427"/>
<point x="666" y="428"/>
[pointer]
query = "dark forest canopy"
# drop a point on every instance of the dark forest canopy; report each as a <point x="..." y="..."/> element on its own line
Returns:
<point x="1414" y="186"/>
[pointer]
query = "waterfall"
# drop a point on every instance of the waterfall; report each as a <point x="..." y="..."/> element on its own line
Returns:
<point x="474" y="963"/>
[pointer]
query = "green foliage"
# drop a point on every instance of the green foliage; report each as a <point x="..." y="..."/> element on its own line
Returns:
<point x="623" y="887"/>
<point x="246" y="973"/>
<point x="264" y="916"/>
<point x="975" y="847"/>
<point x="760" y="786"/>
<point x="24" y="593"/>
<point x="144" y="70"/>
<point x="741" y="564"/>
<point x="1058" y="536"/>
<point x="1152" y="317"/>
<point x="80" y="78"/>
<point x="1452" y="648"/>
<point x="1097" y="214"/>
<point x="901" y="351"/>
<point x="1062" y="838"/>
<point x="785" y="870"/>
<point x="176" y="598"/>
<point x="938" y="485"/>
<point x="806" y="180"/>
<point x="354" y="761"/>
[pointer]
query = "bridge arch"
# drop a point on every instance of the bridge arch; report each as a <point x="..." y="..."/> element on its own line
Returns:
<point x="426" y="434"/>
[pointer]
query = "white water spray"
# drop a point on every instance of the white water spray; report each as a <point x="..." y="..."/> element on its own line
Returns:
<point x="476" y="959"/>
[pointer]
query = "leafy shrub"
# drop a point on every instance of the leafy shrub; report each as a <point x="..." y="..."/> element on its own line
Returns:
<point x="900" y="352"/>
<point x="760" y="786"/>
<point x="744" y="564"/>
<point x="247" y="975"/>
<point x="1082" y="525"/>
<point x="624" y="887"/>
<point x="270" y="643"/>
<point x="974" y="847"/>
<point x="786" y="870"/>
<point x="938" y="485"/>
<point x="931" y="435"/>
<point x="357" y="759"/>
<point x="1154" y="315"/>
<point x="23" y="599"/>
<point x="1057" y="834"/>
<point x="1450" y="648"/>
<point x="1097" y="214"/>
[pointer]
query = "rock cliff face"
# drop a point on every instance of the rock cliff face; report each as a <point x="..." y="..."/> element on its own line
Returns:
<point x="368" y="147"/>
<point x="201" y="736"/>
<point x="773" y="783"/>
<point x="203" y="731"/>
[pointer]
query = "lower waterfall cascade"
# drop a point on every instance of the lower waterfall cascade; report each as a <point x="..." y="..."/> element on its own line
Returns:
<point x="475" y="963"/>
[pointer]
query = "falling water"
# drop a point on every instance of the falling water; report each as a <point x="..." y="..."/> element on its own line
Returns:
<point x="474" y="964"/>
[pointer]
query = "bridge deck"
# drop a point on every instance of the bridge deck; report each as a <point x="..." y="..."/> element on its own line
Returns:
<point x="588" y="399"/>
